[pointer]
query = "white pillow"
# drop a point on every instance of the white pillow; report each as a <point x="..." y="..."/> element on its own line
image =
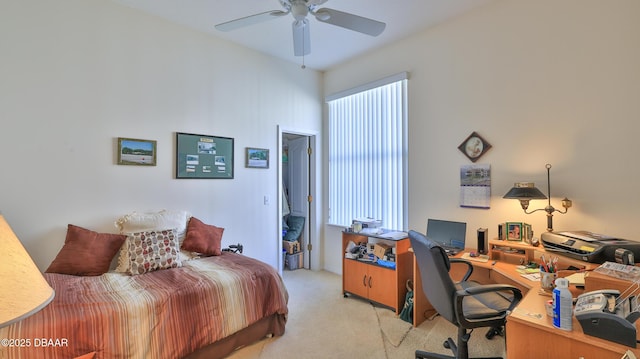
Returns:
<point x="152" y="221"/>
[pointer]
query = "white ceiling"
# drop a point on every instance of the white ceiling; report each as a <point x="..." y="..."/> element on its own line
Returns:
<point x="330" y="45"/>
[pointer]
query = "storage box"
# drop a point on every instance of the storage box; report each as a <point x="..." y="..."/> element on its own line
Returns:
<point x="380" y="249"/>
<point x="370" y="248"/>
<point x="291" y="247"/>
<point x="366" y="222"/>
<point x="294" y="261"/>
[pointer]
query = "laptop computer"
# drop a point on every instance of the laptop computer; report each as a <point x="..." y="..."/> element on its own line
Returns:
<point x="449" y="235"/>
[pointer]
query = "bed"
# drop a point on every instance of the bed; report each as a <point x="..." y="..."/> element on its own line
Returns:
<point x="165" y="314"/>
<point x="204" y="308"/>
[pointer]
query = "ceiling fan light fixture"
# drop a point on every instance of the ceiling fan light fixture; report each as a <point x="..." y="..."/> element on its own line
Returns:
<point x="322" y="15"/>
<point x="299" y="9"/>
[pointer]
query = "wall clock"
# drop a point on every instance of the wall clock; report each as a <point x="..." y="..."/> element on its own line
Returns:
<point x="474" y="146"/>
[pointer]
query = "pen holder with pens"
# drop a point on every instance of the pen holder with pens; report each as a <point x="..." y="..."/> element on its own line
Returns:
<point x="547" y="280"/>
<point x="548" y="273"/>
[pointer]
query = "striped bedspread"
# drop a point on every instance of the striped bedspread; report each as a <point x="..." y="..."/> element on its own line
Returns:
<point x="162" y="314"/>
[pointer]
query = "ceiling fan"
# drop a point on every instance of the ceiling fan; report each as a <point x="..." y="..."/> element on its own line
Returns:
<point x="300" y="9"/>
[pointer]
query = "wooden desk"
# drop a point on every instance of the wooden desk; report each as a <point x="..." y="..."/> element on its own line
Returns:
<point x="529" y="331"/>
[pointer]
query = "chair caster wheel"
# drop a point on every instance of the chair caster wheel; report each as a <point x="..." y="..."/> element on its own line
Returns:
<point x="490" y="334"/>
<point x="446" y="344"/>
<point x="493" y="332"/>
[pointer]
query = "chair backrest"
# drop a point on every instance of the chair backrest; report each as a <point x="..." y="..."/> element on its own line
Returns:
<point x="434" y="266"/>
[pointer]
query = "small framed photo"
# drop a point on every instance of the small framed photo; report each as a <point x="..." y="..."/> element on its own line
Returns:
<point x="136" y="152"/>
<point x="257" y="158"/>
<point x="514" y="231"/>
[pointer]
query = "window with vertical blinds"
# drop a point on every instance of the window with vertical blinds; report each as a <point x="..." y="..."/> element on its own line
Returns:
<point x="367" y="153"/>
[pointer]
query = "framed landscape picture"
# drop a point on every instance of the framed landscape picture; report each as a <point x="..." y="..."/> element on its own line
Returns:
<point x="136" y="152"/>
<point x="257" y="158"/>
<point x="203" y="156"/>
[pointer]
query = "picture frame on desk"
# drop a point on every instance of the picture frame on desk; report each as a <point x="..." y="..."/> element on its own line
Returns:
<point x="527" y="233"/>
<point x="514" y="231"/>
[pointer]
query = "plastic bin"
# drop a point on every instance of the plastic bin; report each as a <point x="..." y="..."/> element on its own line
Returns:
<point x="294" y="261"/>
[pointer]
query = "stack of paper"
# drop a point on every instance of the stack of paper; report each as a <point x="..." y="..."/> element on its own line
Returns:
<point x="394" y="235"/>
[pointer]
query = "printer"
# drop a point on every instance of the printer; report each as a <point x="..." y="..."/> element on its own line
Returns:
<point x="588" y="246"/>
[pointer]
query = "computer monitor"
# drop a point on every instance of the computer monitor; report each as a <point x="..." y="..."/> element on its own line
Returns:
<point x="449" y="234"/>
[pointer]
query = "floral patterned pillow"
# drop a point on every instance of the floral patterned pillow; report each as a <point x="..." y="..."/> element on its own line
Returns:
<point x="152" y="250"/>
<point x="152" y="221"/>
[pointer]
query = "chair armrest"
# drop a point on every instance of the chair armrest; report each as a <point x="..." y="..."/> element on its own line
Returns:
<point x="469" y="267"/>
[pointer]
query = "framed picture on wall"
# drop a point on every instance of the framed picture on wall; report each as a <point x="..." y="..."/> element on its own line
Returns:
<point x="203" y="156"/>
<point x="474" y="146"/>
<point x="514" y="231"/>
<point x="136" y="152"/>
<point x="257" y="157"/>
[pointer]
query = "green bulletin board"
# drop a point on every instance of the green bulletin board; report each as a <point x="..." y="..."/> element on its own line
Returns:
<point x="202" y="156"/>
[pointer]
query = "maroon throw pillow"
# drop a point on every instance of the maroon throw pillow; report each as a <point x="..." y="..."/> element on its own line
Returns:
<point x="203" y="238"/>
<point x="85" y="252"/>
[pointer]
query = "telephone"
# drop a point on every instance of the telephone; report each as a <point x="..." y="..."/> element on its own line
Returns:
<point x="607" y="315"/>
<point x="598" y="300"/>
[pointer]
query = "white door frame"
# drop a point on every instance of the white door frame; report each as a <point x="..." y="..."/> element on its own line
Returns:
<point x="312" y="224"/>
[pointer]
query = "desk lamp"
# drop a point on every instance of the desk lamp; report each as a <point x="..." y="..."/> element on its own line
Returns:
<point x="525" y="191"/>
<point x="23" y="289"/>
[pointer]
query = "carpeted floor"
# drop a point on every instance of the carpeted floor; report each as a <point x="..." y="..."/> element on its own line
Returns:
<point x="324" y="324"/>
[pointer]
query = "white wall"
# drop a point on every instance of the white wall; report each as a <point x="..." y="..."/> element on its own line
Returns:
<point x="77" y="74"/>
<point x="544" y="82"/>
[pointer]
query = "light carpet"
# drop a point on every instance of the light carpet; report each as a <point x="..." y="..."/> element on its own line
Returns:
<point x="324" y="324"/>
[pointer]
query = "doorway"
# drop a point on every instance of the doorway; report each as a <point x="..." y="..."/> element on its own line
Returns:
<point x="296" y="178"/>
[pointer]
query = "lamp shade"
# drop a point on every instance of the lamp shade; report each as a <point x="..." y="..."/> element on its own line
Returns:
<point x="23" y="289"/>
<point x="524" y="190"/>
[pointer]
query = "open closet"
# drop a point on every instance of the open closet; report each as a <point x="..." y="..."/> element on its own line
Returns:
<point x="295" y="201"/>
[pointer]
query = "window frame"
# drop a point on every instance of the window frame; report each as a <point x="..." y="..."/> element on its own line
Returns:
<point x="400" y="147"/>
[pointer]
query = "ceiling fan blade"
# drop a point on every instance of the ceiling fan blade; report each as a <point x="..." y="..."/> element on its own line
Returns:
<point x="301" y="38"/>
<point x="250" y="20"/>
<point x="350" y="21"/>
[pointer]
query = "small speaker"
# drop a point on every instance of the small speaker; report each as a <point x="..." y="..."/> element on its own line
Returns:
<point x="501" y="231"/>
<point x="482" y="240"/>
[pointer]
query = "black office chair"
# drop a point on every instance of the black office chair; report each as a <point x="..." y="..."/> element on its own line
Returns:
<point x="466" y="304"/>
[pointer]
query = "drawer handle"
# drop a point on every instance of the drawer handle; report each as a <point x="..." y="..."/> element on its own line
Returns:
<point x="364" y="280"/>
<point x="370" y="279"/>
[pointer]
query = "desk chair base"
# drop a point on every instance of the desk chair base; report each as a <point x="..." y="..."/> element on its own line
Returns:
<point x="461" y="351"/>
